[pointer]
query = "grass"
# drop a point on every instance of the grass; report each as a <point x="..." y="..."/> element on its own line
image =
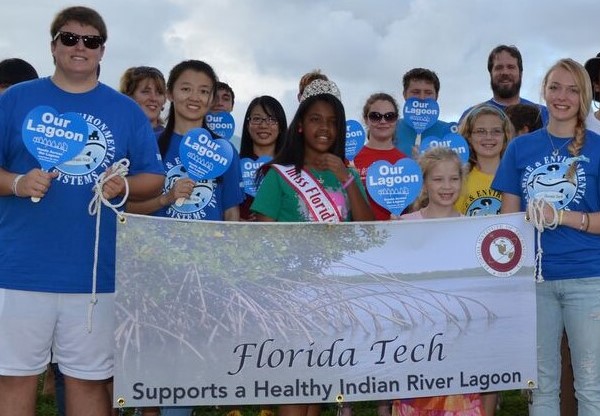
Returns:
<point x="513" y="403"/>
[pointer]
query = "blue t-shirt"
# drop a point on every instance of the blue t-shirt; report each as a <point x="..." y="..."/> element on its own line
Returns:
<point x="406" y="135"/>
<point x="491" y="101"/>
<point x="211" y="198"/>
<point x="49" y="246"/>
<point x="528" y="169"/>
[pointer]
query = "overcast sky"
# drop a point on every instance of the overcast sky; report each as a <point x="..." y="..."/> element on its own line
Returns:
<point x="264" y="46"/>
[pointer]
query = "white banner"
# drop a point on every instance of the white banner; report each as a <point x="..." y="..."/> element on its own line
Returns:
<point x="215" y="313"/>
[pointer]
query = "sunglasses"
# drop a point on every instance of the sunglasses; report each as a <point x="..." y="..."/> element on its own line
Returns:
<point x="375" y="116"/>
<point x="71" y="39"/>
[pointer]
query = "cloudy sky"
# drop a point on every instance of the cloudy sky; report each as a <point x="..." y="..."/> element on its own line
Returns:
<point x="264" y="46"/>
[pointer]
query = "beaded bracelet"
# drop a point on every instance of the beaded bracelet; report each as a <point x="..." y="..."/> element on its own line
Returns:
<point x="15" y="183"/>
<point x="348" y="181"/>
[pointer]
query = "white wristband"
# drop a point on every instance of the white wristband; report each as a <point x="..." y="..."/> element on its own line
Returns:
<point x="15" y="183"/>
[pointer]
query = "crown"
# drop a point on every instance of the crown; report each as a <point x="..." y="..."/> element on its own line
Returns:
<point x="320" y="86"/>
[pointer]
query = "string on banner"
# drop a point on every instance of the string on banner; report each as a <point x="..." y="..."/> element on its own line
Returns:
<point x="535" y="215"/>
<point x="120" y="168"/>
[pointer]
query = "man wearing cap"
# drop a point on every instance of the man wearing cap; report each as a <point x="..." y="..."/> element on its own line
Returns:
<point x="593" y="68"/>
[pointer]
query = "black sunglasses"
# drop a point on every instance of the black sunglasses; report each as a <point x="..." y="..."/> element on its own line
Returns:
<point x="71" y="39"/>
<point x="375" y="116"/>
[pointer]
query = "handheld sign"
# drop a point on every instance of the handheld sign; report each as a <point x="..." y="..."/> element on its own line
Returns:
<point x="452" y="140"/>
<point x="420" y="115"/>
<point x="249" y="169"/>
<point x="53" y="138"/>
<point x="394" y="187"/>
<point x="204" y="157"/>
<point x="355" y="138"/>
<point x="221" y="123"/>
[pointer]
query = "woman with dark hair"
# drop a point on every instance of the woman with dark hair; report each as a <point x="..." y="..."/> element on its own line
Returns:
<point x="263" y="135"/>
<point x="312" y="157"/>
<point x="191" y="89"/>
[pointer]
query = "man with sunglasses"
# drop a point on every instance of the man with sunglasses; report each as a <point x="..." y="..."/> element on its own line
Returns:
<point x="419" y="83"/>
<point x="47" y="279"/>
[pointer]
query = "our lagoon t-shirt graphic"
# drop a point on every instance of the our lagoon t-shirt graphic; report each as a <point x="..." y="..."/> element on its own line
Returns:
<point x="550" y="180"/>
<point x="202" y="195"/>
<point x="97" y="155"/>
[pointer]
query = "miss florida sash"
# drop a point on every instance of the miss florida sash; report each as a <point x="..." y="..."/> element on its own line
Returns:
<point x="320" y="205"/>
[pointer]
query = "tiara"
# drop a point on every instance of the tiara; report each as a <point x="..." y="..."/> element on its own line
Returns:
<point x="320" y="86"/>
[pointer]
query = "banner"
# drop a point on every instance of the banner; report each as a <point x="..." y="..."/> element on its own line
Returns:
<point x="217" y="313"/>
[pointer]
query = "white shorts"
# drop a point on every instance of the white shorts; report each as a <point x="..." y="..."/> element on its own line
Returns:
<point x="34" y="323"/>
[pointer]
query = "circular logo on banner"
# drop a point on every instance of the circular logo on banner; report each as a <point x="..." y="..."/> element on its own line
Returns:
<point x="204" y="157"/>
<point x="500" y="250"/>
<point x="355" y="138"/>
<point x="249" y="168"/>
<point x="394" y="187"/>
<point x="222" y="124"/>
<point x="421" y="114"/>
<point x="452" y="140"/>
<point x="53" y="138"/>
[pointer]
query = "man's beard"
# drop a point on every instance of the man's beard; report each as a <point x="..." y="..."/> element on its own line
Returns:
<point x="505" y="92"/>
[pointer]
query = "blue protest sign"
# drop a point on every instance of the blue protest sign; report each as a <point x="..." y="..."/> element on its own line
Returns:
<point x="221" y="123"/>
<point x="355" y="138"/>
<point x="452" y="140"/>
<point x="204" y="157"/>
<point x="249" y="168"/>
<point x="421" y="114"/>
<point x="396" y="186"/>
<point x="53" y="138"/>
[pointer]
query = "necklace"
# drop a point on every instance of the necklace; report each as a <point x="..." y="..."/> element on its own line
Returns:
<point x="556" y="151"/>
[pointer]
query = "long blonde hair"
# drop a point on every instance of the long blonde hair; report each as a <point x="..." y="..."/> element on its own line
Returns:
<point x="584" y="85"/>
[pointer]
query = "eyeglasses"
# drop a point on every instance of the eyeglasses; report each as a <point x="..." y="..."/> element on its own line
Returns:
<point x="484" y="132"/>
<point x="257" y="121"/>
<point x="375" y="116"/>
<point x="71" y="39"/>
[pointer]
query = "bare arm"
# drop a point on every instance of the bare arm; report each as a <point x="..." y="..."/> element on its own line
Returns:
<point x="263" y="218"/>
<point x="34" y="183"/>
<point x="361" y="211"/>
<point x="182" y="188"/>
<point x="359" y="206"/>
<point x="232" y="214"/>
<point x="510" y="203"/>
<point x="145" y="185"/>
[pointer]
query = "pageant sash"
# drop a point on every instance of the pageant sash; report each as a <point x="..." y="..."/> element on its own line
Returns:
<point x="320" y="205"/>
